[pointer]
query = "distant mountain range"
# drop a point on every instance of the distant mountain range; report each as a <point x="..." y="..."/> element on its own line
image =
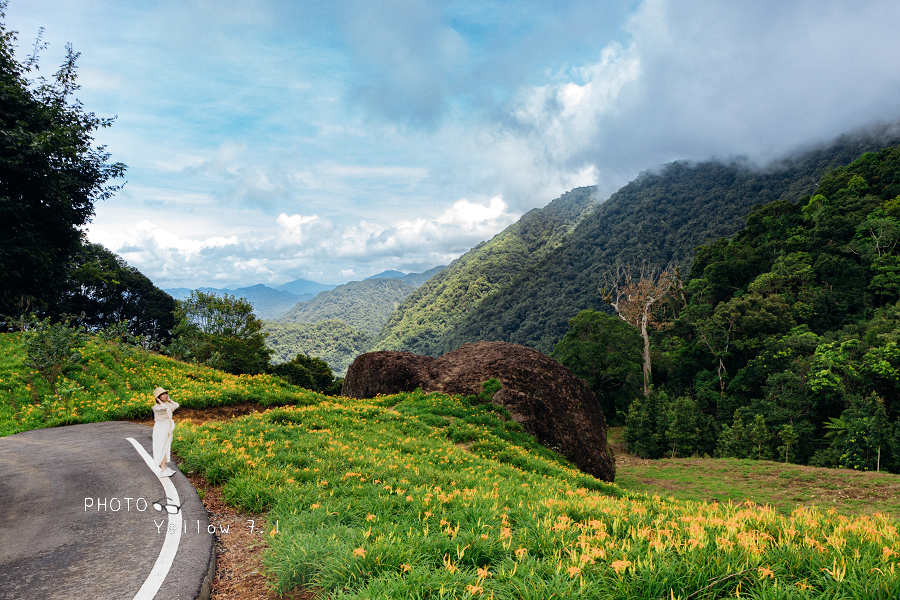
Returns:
<point x="271" y="303"/>
<point x="305" y="286"/>
<point x="268" y="303"/>
<point x="364" y="305"/>
<point x="332" y="322"/>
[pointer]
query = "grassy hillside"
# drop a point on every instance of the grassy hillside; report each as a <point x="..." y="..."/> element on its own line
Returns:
<point x="407" y="495"/>
<point x="112" y="382"/>
<point x="335" y="342"/>
<point x="784" y="486"/>
<point x="363" y="305"/>
<point x="438" y="306"/>
<point x="660" y="218"/>
<point x="414" y="496"/>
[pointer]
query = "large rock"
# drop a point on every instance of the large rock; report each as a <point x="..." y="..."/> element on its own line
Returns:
<point x="545" y="397"/>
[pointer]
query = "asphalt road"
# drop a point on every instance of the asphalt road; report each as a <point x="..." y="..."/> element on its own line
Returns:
<point x="77" y="519"/>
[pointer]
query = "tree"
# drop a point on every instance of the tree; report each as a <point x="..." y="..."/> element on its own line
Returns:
<point x="682" y="431"/>
<point x="647" y="424"/>
<point x="759" y="435"/>
<point x="106" y="290"/>
<point x="606" y="353"/>
<point x="221" y="332"/>
<point x="789" y="437"/>
<point x="734" y="441"/>
<point x="50" y="175"/>
<point x="879" y="427"/>
<point x="305" y="371"/>
<point x="633" y="298"/>
<point x="50" y="347"/>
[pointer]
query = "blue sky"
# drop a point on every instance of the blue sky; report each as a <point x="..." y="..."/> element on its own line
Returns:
<point x="270" y="140"/>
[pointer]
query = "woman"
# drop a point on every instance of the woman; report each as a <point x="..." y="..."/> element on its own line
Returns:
<point x="163" y="426"/>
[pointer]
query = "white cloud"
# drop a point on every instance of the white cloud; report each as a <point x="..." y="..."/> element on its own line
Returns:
<point x="472" y="215"/>
<point x="294" y="229"/>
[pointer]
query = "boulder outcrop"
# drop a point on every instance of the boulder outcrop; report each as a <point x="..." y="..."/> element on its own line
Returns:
<point x="542" y="395"/>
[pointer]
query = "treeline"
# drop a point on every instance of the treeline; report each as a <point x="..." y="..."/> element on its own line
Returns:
<point x="781" y="342"/>
<point x="333" y="341"/>
<point x="51" y="175"/>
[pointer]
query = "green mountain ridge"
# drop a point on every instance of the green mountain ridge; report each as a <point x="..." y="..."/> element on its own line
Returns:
<point x="363" y="305"/>
<point x="333" y="341"/>
<point x="659" y="218"/>
<point x="443" y="301"/>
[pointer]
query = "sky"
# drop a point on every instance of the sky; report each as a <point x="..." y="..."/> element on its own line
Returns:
<point x="271" y="140"/>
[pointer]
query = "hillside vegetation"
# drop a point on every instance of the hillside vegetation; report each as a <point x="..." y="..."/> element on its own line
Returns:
<point x="363" y="305"/>
<point x="408" y="494"/>
<point x="659" y="219"/>
<point x="783" y="342"/>
<point x="333" y="341"/>
<point x="443" y="301"/>
<point x="111" y="381"/>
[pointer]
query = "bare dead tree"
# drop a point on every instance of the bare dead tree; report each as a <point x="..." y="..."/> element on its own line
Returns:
<point x="633" y="292"/>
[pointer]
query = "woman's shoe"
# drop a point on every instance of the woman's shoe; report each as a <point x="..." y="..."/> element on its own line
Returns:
<point x="167" y="473"/>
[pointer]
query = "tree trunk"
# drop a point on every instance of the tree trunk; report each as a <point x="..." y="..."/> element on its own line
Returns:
<point x="646" y="369"/>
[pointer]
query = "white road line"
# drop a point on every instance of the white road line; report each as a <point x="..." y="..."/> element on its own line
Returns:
<point x="173" y="536"/>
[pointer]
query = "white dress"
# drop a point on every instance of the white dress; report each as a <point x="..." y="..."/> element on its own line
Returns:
<point x="163" y="426"/>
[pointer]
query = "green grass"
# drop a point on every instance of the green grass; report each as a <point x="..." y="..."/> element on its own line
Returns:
<point x="432" y="496"/>
<point x="783" y="486"/>
<point x="112" y="382"/>
<point x="411" y="496"/>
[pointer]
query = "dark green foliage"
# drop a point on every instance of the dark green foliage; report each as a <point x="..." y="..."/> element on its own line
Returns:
<point x="605" y="351"/>
<point x="107" y="291"/>
<point x="646" y="425"/>
<point x="489" y="388"/>
<point x="310" y="373"/>
<point x="789" y="437"/>
<point x="50" y="177"/>
<point x="221" y="332"/>
<point x="363" y="305"/>
<point x="683" y="426"/>
<point x="334" y="341"/>
<point x="795" y="323"/>
<point x="735" y="441"/>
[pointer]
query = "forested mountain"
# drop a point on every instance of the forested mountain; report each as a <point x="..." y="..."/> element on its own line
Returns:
<point x="445" y="299"/>
<point x="305" y="286"/>
<point x="389" y="274"/>
<point x="268" y="303"/>
<point x="658" y="218"/>
<point x="335" y="342"/>
<point x="418" y="279"/>
<point x="363" y="305"/>
<point x="413" y="279"/>
<point x="784" y="340"/>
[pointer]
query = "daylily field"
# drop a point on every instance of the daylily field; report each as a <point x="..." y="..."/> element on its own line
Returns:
<point x="432" y="496"/>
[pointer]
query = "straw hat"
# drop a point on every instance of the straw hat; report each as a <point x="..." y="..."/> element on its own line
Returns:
<point x="159" y="392"/>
